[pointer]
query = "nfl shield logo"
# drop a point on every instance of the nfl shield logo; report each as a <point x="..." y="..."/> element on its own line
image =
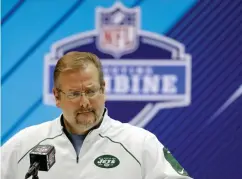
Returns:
<point x="144" y="72"/>
<point x="118" y="29"/>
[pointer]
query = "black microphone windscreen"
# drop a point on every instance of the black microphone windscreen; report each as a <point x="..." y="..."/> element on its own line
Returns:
<point x="44" y="155"/>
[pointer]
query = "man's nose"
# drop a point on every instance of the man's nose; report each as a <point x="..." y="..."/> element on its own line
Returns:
<point x="84" y="101"/>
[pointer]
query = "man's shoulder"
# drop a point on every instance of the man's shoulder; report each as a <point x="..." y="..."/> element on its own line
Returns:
<point x="44" y="126"/>
<point x="36" y="131"/>
<point x="130" y="131"/>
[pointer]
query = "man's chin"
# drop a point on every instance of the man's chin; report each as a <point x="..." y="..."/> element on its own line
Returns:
<point x="85" y="119"/>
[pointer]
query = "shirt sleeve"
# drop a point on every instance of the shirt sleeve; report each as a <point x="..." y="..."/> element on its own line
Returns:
<point x="9" y="157"/>
<point x="158" y="163"/>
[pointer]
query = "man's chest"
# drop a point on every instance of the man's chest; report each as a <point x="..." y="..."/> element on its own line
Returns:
<point x="102" y="160"/>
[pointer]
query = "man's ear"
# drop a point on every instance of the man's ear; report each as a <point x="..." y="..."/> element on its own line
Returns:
<point x="103" y="87"/>
<point x="57" y="97"/>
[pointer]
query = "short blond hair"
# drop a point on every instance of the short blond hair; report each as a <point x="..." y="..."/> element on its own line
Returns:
<point x="76" y="60"/>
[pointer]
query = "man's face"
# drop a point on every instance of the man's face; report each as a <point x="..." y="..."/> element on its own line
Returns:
<point x="81" y="111"/>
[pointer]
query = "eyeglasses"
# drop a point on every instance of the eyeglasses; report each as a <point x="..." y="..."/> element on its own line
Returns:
<point x="75" y="95"/>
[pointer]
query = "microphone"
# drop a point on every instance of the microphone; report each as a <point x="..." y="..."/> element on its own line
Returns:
<point x="42" y="158"/>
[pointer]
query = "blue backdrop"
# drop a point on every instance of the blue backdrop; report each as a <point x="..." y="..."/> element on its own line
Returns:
<point x="201" y="124"/>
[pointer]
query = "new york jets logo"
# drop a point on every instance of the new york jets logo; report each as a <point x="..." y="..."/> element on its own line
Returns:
<point x="174" y="163"/>
<point x="106" y="161"/>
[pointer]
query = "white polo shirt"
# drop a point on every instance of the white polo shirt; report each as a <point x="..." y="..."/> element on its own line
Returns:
<point x="112" y="151"/>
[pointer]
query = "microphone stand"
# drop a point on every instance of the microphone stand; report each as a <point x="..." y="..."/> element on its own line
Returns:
<point x="35" y="173"/>
<point x="33" y="170"/>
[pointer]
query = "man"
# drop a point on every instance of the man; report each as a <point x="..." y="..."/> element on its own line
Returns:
<point x="88" y="143"/>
